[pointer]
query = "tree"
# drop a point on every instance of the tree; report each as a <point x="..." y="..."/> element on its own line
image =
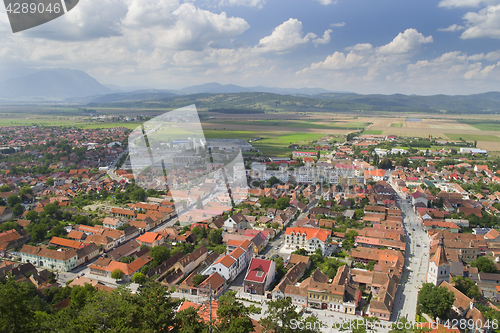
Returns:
<point x="117" y="274"/>
<point x="138" y="194"/>
<point x="273" y="180"/>
<point x="18" y="209"/>
<point x="139" y="278"/>
<point x="38" y="232"/>
<point x="233" y="316"/>
<point x="467" y="287"/>
<point x="215" y="236"/>
<point x="370" y="265"/>
<point x="300" y="252"/>
<point x="349" y="240"/>
<point x="19" y="306"/>
<point x="197" y="279"/>
<point x="159" y="255"/>
<point x="32" y="215"/>
<point x="5" y="188"/>
<point x="13" y="200"/>
<point x="385" y="164"/>
<point x="280" y="315"/>
<point x="199" y="203"/>
<point x="484" y="265"/>
<point x="191" y="321"/>
<point x="265" y="202"/>
<point x="435" y="301"/>
<point x="49" y="181"/>
<point x="9" y="226"/>
<point x="275" y="225"/>
<point x="282" y="203"/>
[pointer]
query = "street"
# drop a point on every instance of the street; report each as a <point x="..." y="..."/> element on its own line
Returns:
<point x="416" y="260"/>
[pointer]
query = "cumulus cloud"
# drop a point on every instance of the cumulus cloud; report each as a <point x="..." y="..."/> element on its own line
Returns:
<point x="150" y="13"/>
<point x="466" y="3"/>
<point x="195" y="28"/>
<point x="360" y="47"/>
<point x="247" y="3"/>
<point x="286" y="37"/>
<point x="405" y="42"/>
<point x="453" y="27"/>
<point x="485" y="23"/>
<point x="491" y="56"/>
<point x="368" y="63"/>
<point x="340" y="61"/>
<point x="323" y="40"/>
<point x="339" y="24"/>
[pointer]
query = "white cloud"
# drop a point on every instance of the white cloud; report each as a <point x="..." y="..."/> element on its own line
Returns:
<point x="340" y="61"/>
<point x="327" y="2"/>
<point x="453" y="27"/>
<point x="405" y="42"/>
<point x="491" y="56"/>
<point x="466" y="3"/>
<point x="339" y="24"/>
<point x="478" y="72"/>
<point x="360" y="47"/>
<point x="485" y="23"/>
<point x="247" y="3"/>
<point x="323" y="40"/>
<point x="150" y="12"/>
<point x="285" y="37"/>
<point x="195" y="28"/>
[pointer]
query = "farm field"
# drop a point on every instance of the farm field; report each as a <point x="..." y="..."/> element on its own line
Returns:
<point x="280" y="129"/>
<point x="474" y="137"/>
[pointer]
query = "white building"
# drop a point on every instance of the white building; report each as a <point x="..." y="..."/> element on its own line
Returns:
<point x="308" y="239"/>
<point x="439" y="267"/>
<point x="63" y="261"/>
<point x="231" y="265"/>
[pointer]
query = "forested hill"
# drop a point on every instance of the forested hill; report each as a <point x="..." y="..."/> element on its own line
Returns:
<point x="330" y="102"/>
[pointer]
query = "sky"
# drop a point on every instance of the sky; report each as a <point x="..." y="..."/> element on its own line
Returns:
<point x="363" y="46"/>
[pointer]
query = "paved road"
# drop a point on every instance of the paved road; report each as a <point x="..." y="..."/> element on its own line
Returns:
<point x="416" y="260"/>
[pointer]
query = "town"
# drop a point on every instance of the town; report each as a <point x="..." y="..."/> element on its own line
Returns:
<point x="373" y="227"/>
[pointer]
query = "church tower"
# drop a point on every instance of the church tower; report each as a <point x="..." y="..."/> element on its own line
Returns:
<point x="439" y="267"/>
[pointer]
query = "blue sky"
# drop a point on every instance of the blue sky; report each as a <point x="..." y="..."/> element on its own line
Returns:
<point x="363" y="46"/>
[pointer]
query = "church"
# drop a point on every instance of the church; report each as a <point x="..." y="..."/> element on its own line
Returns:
<point x="439" y="267"/>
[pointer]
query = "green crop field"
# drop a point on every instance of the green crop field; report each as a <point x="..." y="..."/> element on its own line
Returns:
<point x="397" y="124"/>
<point x="373" y="132"/>
<point x="473" y="137"/>
<point x="483" y="125"/>
<point x="278" y="145"/>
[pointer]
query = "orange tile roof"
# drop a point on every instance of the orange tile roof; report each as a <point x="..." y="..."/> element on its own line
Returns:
<point x="226" y="261"/>
<point x="149" y="237"/>
<point x="321" y="234"/>
<point x="66" y="242"/>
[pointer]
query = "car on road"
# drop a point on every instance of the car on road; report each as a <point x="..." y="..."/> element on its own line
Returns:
<point x="275" y="256"/>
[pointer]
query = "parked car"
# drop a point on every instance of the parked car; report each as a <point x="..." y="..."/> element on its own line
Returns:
<point x="275" y="256"/>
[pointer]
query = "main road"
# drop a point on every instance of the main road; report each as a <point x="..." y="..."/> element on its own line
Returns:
<point x="416" y="261"/>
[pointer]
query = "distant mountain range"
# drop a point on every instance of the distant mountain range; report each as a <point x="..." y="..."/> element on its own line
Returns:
<point x="50" y="85"/>
<point x="77" y="87"/>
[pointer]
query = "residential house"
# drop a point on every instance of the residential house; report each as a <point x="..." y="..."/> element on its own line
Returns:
<point x="259" y="276"/>
<point x="151" y="239"/>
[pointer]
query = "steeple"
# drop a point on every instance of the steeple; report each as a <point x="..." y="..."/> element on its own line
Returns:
<point x="439" y="257"/>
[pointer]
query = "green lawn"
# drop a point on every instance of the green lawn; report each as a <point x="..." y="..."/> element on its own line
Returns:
<point x="473" y="137"/>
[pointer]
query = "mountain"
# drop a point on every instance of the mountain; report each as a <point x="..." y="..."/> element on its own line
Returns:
<point x="217" y="88"/>
<point x="51" y="85"/>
